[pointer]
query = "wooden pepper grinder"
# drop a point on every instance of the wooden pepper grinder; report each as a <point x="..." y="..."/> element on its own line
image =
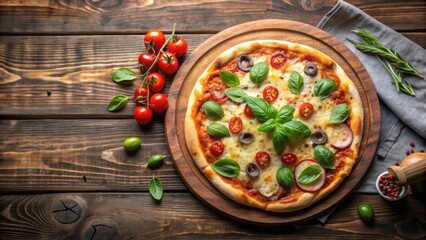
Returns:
<point x="411" y="170"/>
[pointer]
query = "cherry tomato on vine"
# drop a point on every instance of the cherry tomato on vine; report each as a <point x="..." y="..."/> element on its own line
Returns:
<point x="178" y="46"/>
<point x="218" y="95"/>
<point x="270" y="93"/>
<point x="288" y="158"/>
<point x="248" y="113"/>
<point x="235" y="125"/>
<point x="156" y="82"/>
<point x="158" y="103"/>
<point x="217" y="148"/>
<point x="154" y="40"/>
<point x="146" y="60"/>
<point x="142" y="115"/>
<point x="140" y="95"/>
<point x="168" y="63"/>
<point x="263" y="159"/>
<point x="306" y="110"/>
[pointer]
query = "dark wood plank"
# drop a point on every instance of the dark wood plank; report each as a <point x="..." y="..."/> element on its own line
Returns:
<point x="66" y="155"/>
<point x="103" y="17"/>
<point x="77" y="70"/>
<point x="181" y="216"/>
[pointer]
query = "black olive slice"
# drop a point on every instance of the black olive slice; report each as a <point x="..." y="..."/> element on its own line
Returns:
<point x="252" y="170"/>
<point x="245" y="63"/>
<point x="311" y="69"/>
<point x="318" y="136"/>
<point x="245" y="137"/>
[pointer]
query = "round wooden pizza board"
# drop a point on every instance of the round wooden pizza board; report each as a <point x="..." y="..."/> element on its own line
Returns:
<point x="205" y="54"/>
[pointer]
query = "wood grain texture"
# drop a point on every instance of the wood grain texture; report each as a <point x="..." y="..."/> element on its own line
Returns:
<point x="138" y="16"/>
<point x="66" y="155"/>
<point x="181" y="216"/>
<point x="207" y="53"/>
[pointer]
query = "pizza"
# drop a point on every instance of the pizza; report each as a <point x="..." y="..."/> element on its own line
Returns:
<point x="274" y="125"/>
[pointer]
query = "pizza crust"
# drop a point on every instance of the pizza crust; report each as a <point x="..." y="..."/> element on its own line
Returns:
<point x="303" y="199"/>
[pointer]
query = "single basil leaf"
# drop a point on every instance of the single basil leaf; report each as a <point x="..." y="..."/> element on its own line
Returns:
<point x="123" y="76"/>
<point x="156" y="188"/>
<point x="117" y="103"/>
<point x="285" y="177"/>
<point x="279" y="139"/>
<point x="213" y="110"/>
<point x="226" y="167"/>
<point x="324" y="156"/>
<point x="285" y="114"/>
<point x="261" y="109"/>
<point x="339" y="113"/>
<point x="295" y="83"/>
<point x="324" y="87"/>
<point x="235" y="94"/>
<point x="259" y="72"/>
<point x="218" y="130"/>
<point x="229" y="79"/>
<point x="267" y="126"/>
<point x="309" y="174"/>
<point x="296" y="129"/>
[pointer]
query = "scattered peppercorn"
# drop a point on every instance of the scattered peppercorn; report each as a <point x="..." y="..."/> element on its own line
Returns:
<point x="389" y="187"/>
<point x="412" y="144"/>
<point x="412" y="151"/>
<point x="48" y="92"/>
<point x="396" y="164"/>
<point x="407" y="152"/>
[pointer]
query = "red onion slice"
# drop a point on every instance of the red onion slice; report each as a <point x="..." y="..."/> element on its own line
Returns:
<point x="313" y="186"/>
<point x="342" y="136"/>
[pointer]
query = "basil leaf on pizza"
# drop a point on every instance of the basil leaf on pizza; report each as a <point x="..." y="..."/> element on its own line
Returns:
<point x="259" y="72"/>
<point x="235" y="94"/>
<point x="324" y="156"/>
<point x="324" y="88"/>
<point x="218" y="130"/>
<point x="295" y="83"/>
<point x="339" y="113"/>
<point x="267" y="126"/>
<point x="261" y="108"/>
<point x="279" y="139"/>
<point x="285" y="114"/>
<point x="285" y="177"/>
<point x="309" y="174"/>
<point x="229" y="79"/>
<point x="296" y="129"/>
<point x="226" y="167"/>
<point x="213" y="110"/>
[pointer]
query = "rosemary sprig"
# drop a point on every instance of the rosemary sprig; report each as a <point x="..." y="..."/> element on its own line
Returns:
<point x="370" y="44"/>
<point x="397" y="79"/>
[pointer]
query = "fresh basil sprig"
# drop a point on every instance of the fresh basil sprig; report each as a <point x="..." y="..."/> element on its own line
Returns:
<point x="309" y="175"/>
<point x="296" y="129"/>
<point x="229" y="79"/>
<point x="324" y="88"/>
<point x="156" y="188"/>
<point x="285" y="177"/>
<point x="295" y="83"/>
<point x="339" y="113"/>
<point x="259" y="72"/>
<point x="261" y="108"/>
<point x="267" y="126"/>
<point x="324" y="156"/>
<point x="235" y="94"/>
<point x="117" y="103"/>
<point x="213" y="110"/>
<point x="124" y="76"/>
<point x="218" y="130"/>
<point x="226" y="167"/>
<point x="285" y="114"/>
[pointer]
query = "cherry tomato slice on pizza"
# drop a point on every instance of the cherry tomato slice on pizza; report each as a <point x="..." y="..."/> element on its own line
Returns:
<point x="248" y="113"/>
<point x="263" y="159"/>
<point x="217" y="148"/>
<point x="235" y="125"/>
<point x="218" y="95"/>
<point x="306" y="110"/>
<point x="278" y="59"/>
<point x="288" y="158"/>
<point x="270" y="94"/>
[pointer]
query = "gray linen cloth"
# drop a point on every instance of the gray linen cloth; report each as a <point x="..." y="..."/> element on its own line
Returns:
<point x="403" y="118"/>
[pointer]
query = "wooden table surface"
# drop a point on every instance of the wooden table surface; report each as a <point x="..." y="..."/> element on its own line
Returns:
<point x="54" y="183"/>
